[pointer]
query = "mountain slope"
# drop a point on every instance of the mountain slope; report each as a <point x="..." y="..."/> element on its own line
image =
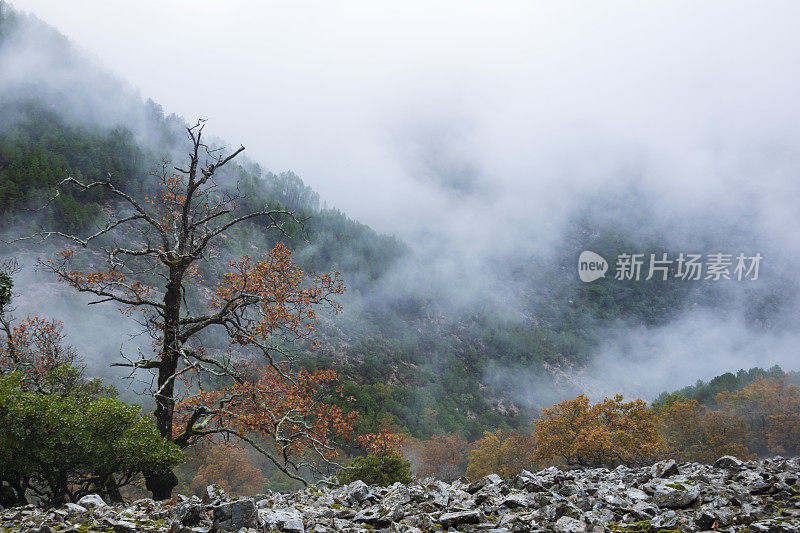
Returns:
<point x="411" y="357"/>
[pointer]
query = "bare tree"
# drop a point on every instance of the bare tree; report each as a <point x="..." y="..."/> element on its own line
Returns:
<point x="151" y="248"/>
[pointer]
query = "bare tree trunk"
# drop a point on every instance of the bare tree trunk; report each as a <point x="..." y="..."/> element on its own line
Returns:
<point x="162" y="483"/>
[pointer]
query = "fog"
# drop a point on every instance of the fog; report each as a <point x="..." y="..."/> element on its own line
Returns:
<point x="476" y="130"/>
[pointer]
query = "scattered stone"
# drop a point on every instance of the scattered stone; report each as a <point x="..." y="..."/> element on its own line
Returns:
<point x="232" y="516"/>
<point x="664" y="469"/>
<point x="728" y="461"/>
<point x="92" y="501"/>
<point x="690" y="497"/>
<point x="286" y="520"/>
<point x="460" y="517"/>
<point x="675" y="495"/>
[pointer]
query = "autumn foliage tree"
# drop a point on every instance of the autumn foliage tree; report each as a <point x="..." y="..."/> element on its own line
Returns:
<point x="606" y="434"/>
<point x="771" y="410"/>
<point x="444" y="457"/>
<point x="692" y="432"/>
<point x="501" y="453"/>
<point x="152" y="249"/>
<point x="36" y="348"/>
<point x="230" y="467"/>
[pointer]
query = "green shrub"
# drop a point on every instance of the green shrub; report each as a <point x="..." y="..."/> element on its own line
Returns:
<point x="64" y="447"/>
<point x="382" y="468"/>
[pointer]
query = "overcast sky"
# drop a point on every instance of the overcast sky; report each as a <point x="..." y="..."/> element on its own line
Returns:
<point x="428" y="104"/>
<point x="471" y="129"/>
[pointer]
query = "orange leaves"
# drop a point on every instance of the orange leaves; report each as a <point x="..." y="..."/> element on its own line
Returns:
<point x="232" y="468"/>
<point x="763" y="417"/>
<point x="283" y="294"/>
<point x="444" y="457"/>
<point x="771" y="408"/>
<point x="36" y="348"/>
<point x="168" y="202"/>
<point x="501" y="453"/>
<point x="695" y="433"/>
<point x="277" y="403"/>
<point x="111" y="283"/>
<point x="383" y="441"/>
<point x="608" y="433"/>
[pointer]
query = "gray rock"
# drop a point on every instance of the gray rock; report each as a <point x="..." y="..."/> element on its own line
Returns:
<point x="460" y="517"/>
<point x="666" y="520"/>
<point x="288" y="520"/>
<point x="73" y="509"/>
<point x="92" y="501"/>
<point x="728" y="461"/>
<point x="189" y="513"/>
<point x="664" y="469"/>
<point x="398" y="495"/>
<point x="636" y="495"/>
<point x="340" y="524"/>
<point x="437" y="493"/>
<point x="232" y="516"/>
<point x="213" y="493"/>
<point x="356" y="492"/>
<point x="676" y="495"/>
<point x="512" y="501"/>
<point x="491" y="479"/>
<point x="566" y="524"/>
<point x="120" y="526"/>
<point x="373" y="516"/>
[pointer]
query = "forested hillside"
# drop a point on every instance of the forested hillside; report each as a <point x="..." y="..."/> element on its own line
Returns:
<point x="409" y="361"/>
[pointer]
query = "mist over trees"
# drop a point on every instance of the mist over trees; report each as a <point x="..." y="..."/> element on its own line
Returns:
<point x="223" y="264"/>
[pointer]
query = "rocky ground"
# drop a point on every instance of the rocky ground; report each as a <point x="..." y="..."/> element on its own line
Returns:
<point x="730" y="496"/>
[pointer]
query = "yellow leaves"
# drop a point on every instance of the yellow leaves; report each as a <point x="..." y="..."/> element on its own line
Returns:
<point x="771" y="409"/>
<point x="695" y="433"/>
<point x="608" y="433"/>
<point x="501" y="453"/>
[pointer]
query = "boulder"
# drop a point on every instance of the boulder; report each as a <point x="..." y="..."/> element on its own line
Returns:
<point x="664" y="469"/>
<point x="675" y="495"/>
<point x="491" y="479"/>
<point x="232" y="516"/>
<point x="73" y="509"/>
<point x="288" y="520"/>
<point x="92" y="501"/>
<point x="566" y="524"/>
<point x="189" y="513"/>
<point x="356" y="492"/>
<point x="460" y="517"/>
<point x="728" y="461"/>
<point x="213" y="493"/>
